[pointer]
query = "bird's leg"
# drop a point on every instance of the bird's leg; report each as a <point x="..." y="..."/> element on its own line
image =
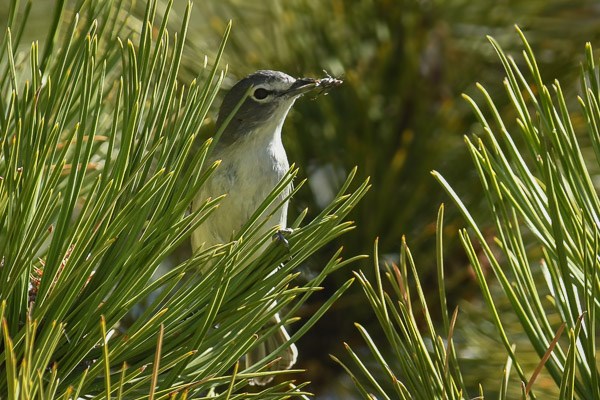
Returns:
<point x="281" y="234"/>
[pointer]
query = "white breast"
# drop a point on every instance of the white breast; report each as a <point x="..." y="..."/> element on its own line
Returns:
<point x="249" y="170"/>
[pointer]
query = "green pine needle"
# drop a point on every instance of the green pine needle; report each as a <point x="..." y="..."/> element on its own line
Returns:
<point x="103" y="150"/>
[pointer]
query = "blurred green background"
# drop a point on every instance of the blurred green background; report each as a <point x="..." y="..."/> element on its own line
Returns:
<point x="398" y="115"/>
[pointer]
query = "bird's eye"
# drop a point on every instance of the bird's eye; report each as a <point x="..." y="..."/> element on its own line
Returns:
<point x="261" y="94"/>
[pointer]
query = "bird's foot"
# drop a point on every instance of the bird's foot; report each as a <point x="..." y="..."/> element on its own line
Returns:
<point x="281" y="234"/>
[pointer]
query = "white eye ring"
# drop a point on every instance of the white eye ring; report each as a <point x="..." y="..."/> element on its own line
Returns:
<point x="261" y="94"/>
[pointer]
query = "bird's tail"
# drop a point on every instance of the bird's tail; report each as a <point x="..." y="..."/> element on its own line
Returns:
<point x="287" y="356"/>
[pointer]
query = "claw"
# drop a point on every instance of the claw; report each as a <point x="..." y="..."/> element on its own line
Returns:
<point x="281" y="234"/>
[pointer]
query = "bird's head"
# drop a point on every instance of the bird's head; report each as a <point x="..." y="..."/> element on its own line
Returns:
<point x="271" y="95"/>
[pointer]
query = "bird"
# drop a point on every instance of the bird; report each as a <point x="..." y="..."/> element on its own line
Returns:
<point x="253" y="160"/>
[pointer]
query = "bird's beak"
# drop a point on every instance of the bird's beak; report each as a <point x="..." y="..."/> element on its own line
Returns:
<point x="301" y="86"/>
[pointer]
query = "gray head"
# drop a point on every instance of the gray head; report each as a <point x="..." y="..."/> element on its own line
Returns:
<point x="267" y="104"/>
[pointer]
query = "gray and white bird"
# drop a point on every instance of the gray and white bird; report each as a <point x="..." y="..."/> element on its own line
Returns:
<point x="253" y="161"/>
